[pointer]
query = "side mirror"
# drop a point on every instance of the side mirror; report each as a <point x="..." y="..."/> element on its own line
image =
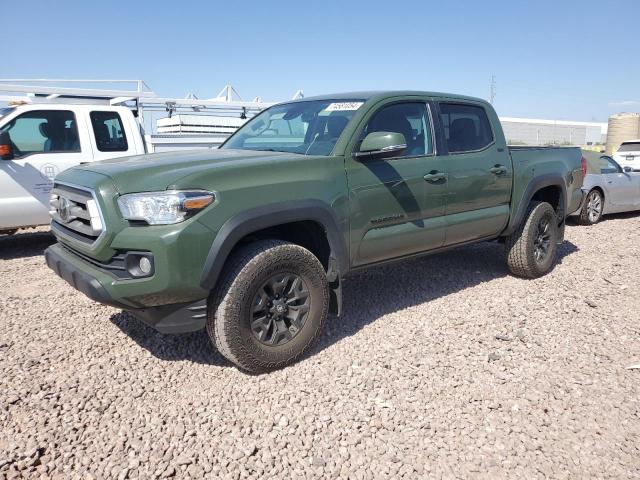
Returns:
<point x="381" y="145"/>
<point x="628" y="169"/>
<point x="6" y="152"/>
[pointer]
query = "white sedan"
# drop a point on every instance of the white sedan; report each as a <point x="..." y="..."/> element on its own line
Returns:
<point x="608" y="188"/>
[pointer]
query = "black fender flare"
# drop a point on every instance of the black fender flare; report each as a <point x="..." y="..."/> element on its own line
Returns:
<point x="538" y="183"/>
<point x="272" y="215"/>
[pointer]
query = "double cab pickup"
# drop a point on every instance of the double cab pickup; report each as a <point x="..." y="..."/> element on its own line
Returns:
<point x="253" y="241"/>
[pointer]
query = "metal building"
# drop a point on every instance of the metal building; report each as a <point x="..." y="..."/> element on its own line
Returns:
<point x="532" y="131"/>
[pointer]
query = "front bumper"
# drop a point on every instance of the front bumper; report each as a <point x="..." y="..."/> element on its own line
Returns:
<point x="78" y="279"/>
<point x="102" y="287"/>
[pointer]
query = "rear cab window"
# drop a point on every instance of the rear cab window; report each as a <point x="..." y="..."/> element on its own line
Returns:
<point x="466" y="127"/>
<point x="109" y="132"/>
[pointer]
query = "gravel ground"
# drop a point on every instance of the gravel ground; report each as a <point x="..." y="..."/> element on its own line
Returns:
<point x="444" y="366"/>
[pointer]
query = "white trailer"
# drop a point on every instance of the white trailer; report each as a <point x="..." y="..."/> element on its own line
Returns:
<point x="49" y="126"/>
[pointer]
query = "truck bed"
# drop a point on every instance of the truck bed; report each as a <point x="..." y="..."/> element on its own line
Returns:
<point x="539" y="162"/>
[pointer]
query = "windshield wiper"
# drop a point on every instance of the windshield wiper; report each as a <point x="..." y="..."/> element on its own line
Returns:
<point x="273" y="150"/>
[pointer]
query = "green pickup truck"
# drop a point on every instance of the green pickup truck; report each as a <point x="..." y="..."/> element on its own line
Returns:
<point x="253" y="240"/>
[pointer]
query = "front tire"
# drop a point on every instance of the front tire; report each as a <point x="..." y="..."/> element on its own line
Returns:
<point x="591" y="211"/>
<point x="269" y="307"/>
<point x="531" y="249"/>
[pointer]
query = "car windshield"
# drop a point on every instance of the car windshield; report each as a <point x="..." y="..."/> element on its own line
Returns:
<point x="309" y="127"/>
<point x="630" y="147"/>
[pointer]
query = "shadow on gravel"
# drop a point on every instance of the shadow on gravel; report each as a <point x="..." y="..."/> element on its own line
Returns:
<point x="621" y="216"/>
<point x="367" y="296"/>
<point x="24" y="244"/>
<point x="194" y="347"/>
<point x="378" y="291"/>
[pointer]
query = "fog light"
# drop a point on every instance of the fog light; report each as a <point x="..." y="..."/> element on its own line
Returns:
<point x="139" y="264"/>
<point x="145" y="265"/>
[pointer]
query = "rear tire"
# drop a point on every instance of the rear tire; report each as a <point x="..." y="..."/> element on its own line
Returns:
<point x="591" y="211"/>
<point x="531" y="249"/>
<point x="270" y="305"/>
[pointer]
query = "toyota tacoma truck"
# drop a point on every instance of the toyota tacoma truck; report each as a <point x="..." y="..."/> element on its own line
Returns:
<point x="253" y="241"/>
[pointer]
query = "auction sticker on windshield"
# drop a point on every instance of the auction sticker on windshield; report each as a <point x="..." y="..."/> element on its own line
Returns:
<point x="342" y="106"/>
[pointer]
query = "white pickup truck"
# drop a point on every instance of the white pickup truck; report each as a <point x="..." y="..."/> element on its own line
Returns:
<point x="39" y="140"/>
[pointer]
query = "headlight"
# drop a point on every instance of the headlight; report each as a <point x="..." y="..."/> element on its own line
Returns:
<point x="163" y="208"/>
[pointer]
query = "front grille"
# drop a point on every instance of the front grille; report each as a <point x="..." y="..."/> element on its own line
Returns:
<point x="75" y="213"/>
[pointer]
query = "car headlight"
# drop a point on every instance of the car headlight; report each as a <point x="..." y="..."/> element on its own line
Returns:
<point x="163" y="208"/>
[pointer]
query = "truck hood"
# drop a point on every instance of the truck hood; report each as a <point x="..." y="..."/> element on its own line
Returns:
<point x="159" y="171"/>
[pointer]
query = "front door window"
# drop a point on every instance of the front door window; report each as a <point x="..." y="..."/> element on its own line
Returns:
<point x="409" y="119"/>
<point x="43" y="131"/>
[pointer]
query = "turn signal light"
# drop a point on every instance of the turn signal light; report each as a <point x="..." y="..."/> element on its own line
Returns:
<point x="583" y="163"/>
<point x="197" y="203"/>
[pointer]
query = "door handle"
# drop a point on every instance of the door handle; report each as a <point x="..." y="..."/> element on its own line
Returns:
<point x="435" y="176"/>
<point x="498" y="169"/>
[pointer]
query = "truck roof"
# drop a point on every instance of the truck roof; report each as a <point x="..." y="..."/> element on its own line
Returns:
<point x="380" y="94"/>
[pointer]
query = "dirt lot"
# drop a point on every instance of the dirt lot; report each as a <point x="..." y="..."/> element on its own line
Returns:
<point x="441" y="367"/>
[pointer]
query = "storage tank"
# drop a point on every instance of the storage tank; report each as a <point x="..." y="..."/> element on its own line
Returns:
<point x="622" y="127"/>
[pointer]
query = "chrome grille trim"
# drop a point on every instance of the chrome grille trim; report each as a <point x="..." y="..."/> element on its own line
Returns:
<point x="79" y="226"/>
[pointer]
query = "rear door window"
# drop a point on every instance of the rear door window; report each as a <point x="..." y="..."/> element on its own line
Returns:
<point x="109" y="132"/>
<point x="466" y="127"/>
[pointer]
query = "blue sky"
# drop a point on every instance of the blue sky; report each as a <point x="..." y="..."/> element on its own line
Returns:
<point x="552" y="59"/>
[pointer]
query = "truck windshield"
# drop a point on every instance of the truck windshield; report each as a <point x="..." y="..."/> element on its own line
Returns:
<point x="309" y="127"/>
<point x="629" y="147"/>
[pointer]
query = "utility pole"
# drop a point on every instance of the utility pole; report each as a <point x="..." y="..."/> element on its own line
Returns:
<point x="492" y="89"/>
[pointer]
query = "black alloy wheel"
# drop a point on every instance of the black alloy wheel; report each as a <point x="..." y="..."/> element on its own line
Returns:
<point x="542" y="240"/>
<point x="280" y="309"/>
